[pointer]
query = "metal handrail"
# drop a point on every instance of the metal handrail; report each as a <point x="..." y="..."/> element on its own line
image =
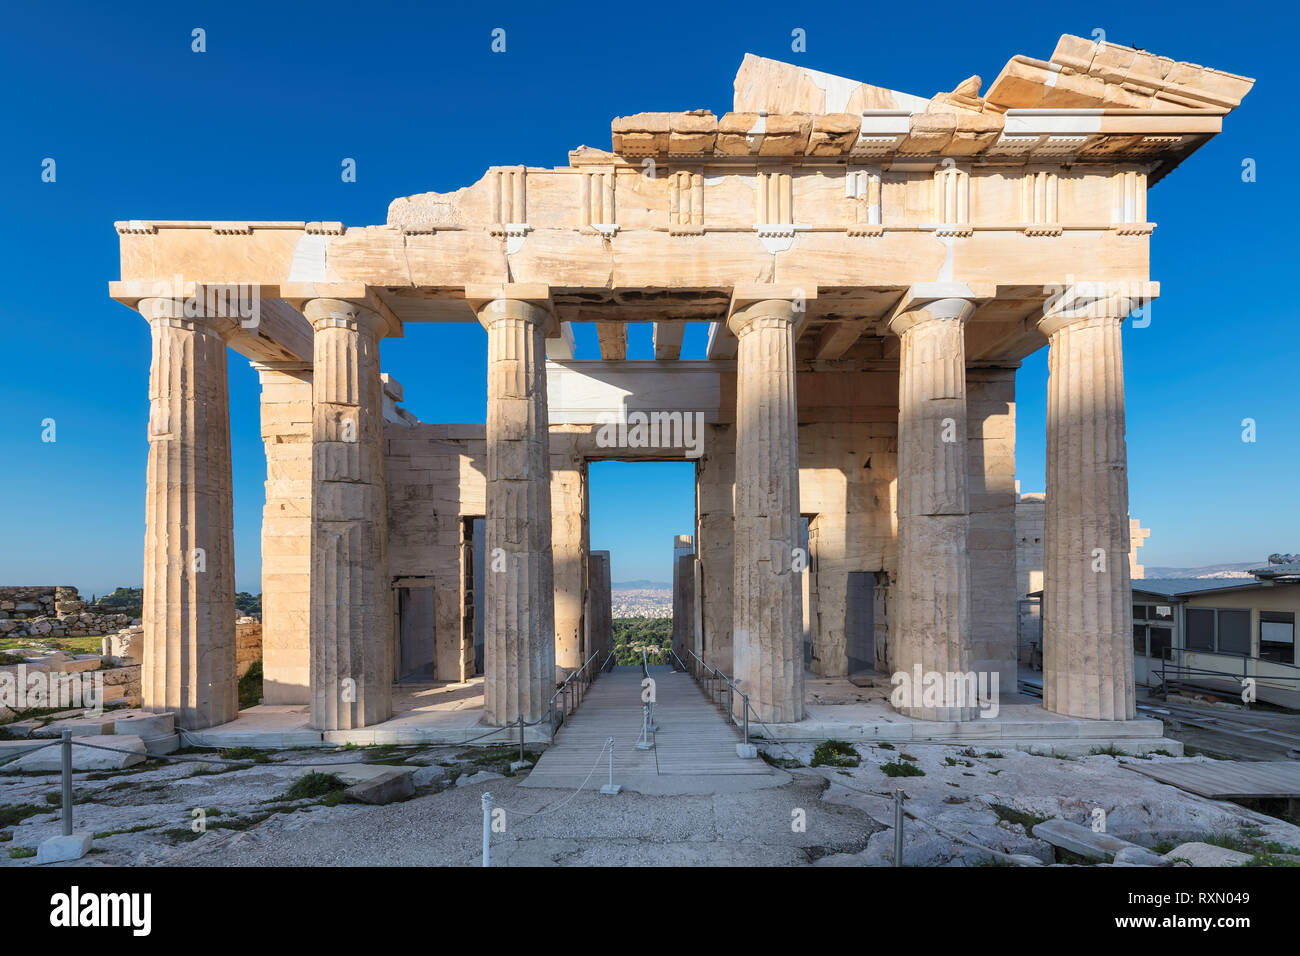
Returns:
<point x="713" y="674"/>
<point x="1183" y="671"/>
<point x="579" y="690"/>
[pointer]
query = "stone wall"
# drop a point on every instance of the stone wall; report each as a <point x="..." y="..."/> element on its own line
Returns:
<point x="52" y="611"/>
<point x="286" y="536"/>
<point x="991" y="458"/>
<point x="1030" y="510"/>
<point x="436" y="478"/>
<point x="248" y="644"/>
<point x="848" y="472"/>
<point x="848" y="469"/>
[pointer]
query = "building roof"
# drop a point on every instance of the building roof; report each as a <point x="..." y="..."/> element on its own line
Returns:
<point x="1182" y="587"/>
<point x="1283" y="569"/>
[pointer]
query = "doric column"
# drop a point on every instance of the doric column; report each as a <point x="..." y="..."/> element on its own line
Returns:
<point x="189" y="565"/>
<point x="351" y="597"/>
<point x="767" y="594"/>
<point x="931" y="609"/>
<point x="519" y="603"/>
<point x="1087" y="602"/>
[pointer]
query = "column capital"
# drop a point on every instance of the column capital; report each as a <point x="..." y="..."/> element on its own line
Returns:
<point x="158" y="310"/>
<point x="1082" y="301"/>
<point x="526" y="301"/>
<point x="327" y="313"/>
<point x="751" y="302"/>
<point x="937" y="301"/>
<point x="351" y="299"/>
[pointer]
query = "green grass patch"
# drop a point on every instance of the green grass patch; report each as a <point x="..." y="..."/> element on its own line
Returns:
<point x="21" y="853"/>
<point x="1110" y="750"/>
<point x="245" y="753"/>
<point x="11" y="814"/>
<point x="136" y="829"/>
<point x="1023" y="817"/>
<point x="250" y="687"/>
<point x="1229" y="842"/>
<point x="313" y="786"/>
<point x="181" y="835"/>
<point x="898" y="768"/>
<point x="6" y="659"/>
<point x="202" y="770"/>
<point x="835" y="753"/>
<point x="783" y="763"/>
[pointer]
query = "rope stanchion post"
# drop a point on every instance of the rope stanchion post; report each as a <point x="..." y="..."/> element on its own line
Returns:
<point x="898" y="826"/>
<point x="611" y="788"/>
<point x="644" y="743"/>
<point x="66" y="746"/>
<point x="487" y="827"/>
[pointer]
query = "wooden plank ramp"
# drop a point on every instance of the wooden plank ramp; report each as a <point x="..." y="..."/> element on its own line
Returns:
<point x="695" y="748"/>
<point x="1228" y="779"/>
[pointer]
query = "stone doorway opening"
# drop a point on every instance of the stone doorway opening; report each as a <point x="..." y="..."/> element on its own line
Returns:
<point x="644" y="514"/>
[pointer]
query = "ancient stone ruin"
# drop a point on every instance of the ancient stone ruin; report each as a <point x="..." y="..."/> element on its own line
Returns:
<point x="873" y="266"/>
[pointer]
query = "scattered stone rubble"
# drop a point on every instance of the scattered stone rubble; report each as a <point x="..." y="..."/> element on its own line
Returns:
<point x="42" y="612"/>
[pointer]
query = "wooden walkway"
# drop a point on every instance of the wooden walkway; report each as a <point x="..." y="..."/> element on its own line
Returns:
<point x="695" y="749"/>
<point x="1228" y="779"/>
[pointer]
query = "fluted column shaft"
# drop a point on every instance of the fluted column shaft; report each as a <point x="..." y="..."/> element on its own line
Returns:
<point x="932" y="610"/>
<point x="351" y="597"/>
<point x="1087" y="602"/>
<point x="519" y="604"/>
<point x="767" y="594"/>
<point x="189" y="566"/>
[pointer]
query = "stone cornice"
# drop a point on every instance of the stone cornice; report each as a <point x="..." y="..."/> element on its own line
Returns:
<point x="1020" y="135"/>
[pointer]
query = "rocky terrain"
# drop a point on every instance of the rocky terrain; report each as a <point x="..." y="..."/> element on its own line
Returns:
<point x="965" y="807"/>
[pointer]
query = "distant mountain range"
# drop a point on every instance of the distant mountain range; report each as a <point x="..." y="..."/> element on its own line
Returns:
<point x="641" y="585"/>
<point x="1208" y="571"/>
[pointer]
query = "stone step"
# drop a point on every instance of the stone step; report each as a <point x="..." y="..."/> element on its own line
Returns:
<point x="50" y="759"/>
<point x="1080" y="839"/>
<point x="166" y="744"/>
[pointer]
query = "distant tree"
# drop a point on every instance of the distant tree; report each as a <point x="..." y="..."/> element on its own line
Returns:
<point x="632" y="634"/>
<point x="249" y="604"/>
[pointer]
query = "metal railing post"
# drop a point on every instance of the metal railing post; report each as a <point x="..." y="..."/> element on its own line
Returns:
<point x="67" y="782"/>
<point x="745" y="699"/>
<point x="898" y="826"/>
<point x="487" y="827"/>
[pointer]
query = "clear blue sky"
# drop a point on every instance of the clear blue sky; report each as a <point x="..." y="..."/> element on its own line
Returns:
<point x="256" y="128"/>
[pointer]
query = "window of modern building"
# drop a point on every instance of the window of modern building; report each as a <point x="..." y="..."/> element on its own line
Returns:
<point x="1153" y="633"/>
<point x="1277" y="636"/>
<point x="1200" y="629"/>
<point x="1218" y="630"/>
<point x="1234" y="631"/>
